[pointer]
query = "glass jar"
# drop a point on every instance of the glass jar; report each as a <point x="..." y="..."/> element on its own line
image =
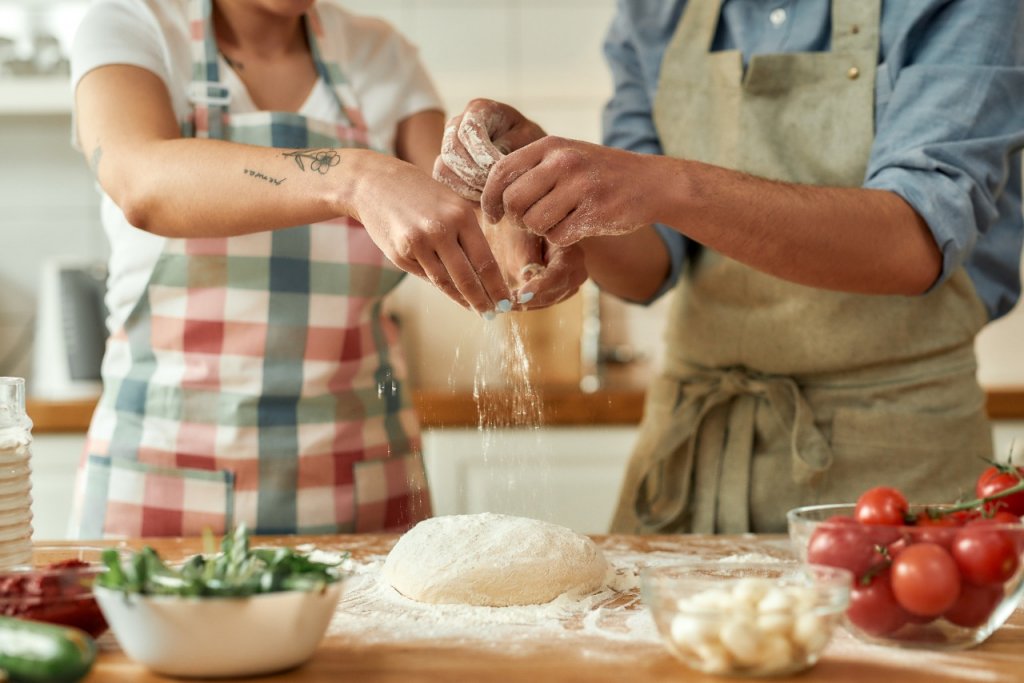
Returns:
<point x="15" y="484"/>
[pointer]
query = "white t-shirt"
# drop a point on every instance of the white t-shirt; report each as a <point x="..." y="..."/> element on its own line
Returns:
<point x="382" y="67"/>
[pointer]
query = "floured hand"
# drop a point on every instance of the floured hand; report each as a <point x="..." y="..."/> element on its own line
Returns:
<point x="478" y="138"/>
<point x="537" y="273"/>
<point x="568" y="190"/>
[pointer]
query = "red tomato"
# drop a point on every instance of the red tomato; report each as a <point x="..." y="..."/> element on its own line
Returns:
<point x="974" y="606"/>
<point x="841" y="542"/>
<point x="984" y="554"/>
<point x="925" y="579"/>
<point x="937" y="530"/>
<point x="882" y="505"/>
<point x="873" y="608"/>
<point x="995" y="479"/>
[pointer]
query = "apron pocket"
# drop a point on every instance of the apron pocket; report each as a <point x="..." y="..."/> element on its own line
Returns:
<point x="127" y="498"/>
<point x="931" y="457"/>
<point x="390" y="494"/>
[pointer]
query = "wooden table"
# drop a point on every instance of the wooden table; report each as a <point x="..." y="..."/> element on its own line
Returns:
<point x="351" y="655"/>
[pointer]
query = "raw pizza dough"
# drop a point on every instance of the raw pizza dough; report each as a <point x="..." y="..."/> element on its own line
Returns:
<point x="493" y="560"/>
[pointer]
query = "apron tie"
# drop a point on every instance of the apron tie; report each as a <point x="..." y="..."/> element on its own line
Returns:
<point x="712" y="427"/>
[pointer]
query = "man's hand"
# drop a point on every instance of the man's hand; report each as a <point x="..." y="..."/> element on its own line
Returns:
<point x="567" y="190"/>
<point x="476" y="139"/>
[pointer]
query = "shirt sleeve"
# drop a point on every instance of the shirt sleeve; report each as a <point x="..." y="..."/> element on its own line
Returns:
<point x="628" y="123"/>
<point x="116" y="32"/>
<point x="387" y="75"/>
<point x="952" y="121"/>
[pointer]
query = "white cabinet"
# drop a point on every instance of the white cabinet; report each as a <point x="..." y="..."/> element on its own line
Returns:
<point x="566" y="475"/>
<point x="55" y="458"/>
<point x="1009" y="440"/>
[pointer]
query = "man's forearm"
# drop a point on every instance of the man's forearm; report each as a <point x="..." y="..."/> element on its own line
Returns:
<point x="845" y="239"/>
<point x="632" y="267"/>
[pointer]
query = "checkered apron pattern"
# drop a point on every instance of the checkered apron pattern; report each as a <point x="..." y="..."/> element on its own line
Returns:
<point x="257" y="378"/>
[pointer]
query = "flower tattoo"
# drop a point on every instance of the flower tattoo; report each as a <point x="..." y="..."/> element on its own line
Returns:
<point x="320" y="160"/>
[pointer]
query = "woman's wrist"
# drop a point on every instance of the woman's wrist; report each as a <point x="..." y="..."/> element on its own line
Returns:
<point x="350" y="194"/>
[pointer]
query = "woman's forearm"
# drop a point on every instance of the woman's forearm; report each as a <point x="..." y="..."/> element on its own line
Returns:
<point x="210" y="188"/>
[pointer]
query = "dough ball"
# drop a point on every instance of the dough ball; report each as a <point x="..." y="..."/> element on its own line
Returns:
<point x="493" y="560"/>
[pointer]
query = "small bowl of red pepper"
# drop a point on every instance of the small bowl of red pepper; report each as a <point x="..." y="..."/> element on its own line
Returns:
<point x="56" y="588"/>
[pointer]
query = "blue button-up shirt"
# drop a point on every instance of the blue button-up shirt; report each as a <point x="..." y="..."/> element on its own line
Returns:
<point x="949" y="113"/>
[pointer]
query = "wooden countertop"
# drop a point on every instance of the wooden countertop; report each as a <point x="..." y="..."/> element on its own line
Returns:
<point x="559" y="407"/>
<point x="375" y="650"/>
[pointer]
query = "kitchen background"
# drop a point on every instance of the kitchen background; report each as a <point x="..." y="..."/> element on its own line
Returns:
<point x="543" y="56"/>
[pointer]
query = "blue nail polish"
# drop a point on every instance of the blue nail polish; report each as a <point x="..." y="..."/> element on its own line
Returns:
<point x="525" y="297"/>
<point x="489" y="315"/>
<point x="504" y="306"/>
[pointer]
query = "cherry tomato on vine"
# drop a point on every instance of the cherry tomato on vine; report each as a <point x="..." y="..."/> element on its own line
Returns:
<point x="842" y="542"/>
<point x="985" y="554"/>
<point x="873" y="608"/>
<point x="999" y="478"/>
<point x="882" y="505"/>
<point x="925" y="579"/>
<point x="974" y="606"/>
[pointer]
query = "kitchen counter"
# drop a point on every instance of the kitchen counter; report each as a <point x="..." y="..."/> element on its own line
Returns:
<point x="559" y="407"/>
<point x="380" y="648"/>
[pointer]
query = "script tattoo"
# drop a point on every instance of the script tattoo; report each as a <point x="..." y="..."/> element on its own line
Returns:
<point x="94" y="159"/>
<point x="320" y="160"/>
<point x="263" y="176"/>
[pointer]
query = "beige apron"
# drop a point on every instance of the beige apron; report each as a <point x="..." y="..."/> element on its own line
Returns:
<point x="775" y="394"/>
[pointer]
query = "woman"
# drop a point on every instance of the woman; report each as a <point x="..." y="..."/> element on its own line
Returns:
<point x="256" y="217"/>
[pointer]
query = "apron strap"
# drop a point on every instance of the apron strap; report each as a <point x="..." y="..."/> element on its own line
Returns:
<point x="210" y="98"/>
<point x="696" y="31"/>
<point x="856" y="25"/>
<point x="718" y="413"/>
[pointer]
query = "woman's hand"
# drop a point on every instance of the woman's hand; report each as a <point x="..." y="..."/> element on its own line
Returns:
<point x="476" y="139"/>
<point x="567" y="190"/>
<point x="426" y="229"/>
<point x="538" y="273"/>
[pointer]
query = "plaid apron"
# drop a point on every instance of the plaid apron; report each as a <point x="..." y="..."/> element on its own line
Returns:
<point x="257" y="379"/>
<point x="776" y="395"/>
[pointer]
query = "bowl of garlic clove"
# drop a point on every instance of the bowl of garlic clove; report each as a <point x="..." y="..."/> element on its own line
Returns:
<point x="746" y="619"/>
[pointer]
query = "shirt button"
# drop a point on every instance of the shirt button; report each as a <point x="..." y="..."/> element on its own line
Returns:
<point x="777" y="16"/>
<point x="853" y="73"/>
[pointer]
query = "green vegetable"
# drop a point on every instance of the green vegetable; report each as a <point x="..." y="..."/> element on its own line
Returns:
<point x="37" y="652"/>
<point x="237" y="570"/>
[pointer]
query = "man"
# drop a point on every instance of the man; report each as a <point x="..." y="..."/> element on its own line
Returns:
<point x="833" y="189"/>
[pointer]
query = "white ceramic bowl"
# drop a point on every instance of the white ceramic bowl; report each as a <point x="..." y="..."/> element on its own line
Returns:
<point x="220" y="636"/>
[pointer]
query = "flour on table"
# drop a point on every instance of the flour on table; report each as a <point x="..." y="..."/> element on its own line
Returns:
<point x="493" y="560"/>
<point x="372" y="613"/>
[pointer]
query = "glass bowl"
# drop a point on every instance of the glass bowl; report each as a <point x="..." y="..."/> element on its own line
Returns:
<point x="939" y="585"/>
<point x="55" y="588"/>
<point x="746" y="619"/>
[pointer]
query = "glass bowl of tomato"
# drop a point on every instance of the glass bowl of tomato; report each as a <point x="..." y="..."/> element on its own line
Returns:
<point x="746" y="619"/>
<point x="57" y="587"/>
<point x="941" y="577"/>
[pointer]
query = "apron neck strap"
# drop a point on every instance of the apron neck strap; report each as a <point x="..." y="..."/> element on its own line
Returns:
<point x="210" y="97"/>
<point x="855" y="25"/>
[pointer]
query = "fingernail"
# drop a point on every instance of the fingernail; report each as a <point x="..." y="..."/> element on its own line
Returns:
<point x="525" y="297"/>
<point x="504" y="306"/>
<point x="489" y="315"/>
